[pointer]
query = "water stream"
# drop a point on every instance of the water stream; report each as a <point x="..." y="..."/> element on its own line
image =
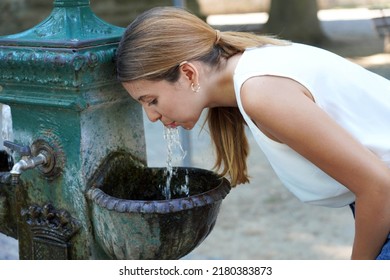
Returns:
<point x="6" y="124"/>
<point x="175" y="154"/>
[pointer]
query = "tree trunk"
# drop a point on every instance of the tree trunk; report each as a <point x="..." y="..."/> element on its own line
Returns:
<point x="295" y="20"/>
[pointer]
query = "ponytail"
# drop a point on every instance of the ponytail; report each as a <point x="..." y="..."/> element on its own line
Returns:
<point x="227" y="130"/>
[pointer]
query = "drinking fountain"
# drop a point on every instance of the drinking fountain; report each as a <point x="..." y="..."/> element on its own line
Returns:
<point x="74" y="180"/>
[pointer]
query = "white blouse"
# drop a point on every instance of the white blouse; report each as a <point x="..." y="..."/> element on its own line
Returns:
<point x="357" y="99"/>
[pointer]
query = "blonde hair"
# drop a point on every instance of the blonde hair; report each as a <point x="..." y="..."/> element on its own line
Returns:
<point x="154" y="45"/>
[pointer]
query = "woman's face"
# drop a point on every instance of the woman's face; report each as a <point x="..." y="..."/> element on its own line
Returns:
<point x="174" y="104"/>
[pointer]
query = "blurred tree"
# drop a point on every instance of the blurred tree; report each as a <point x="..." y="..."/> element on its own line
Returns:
<point x="295" y="20"/>
<point x="19" y="15"/>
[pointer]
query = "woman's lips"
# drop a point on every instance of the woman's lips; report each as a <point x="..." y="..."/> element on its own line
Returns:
<point x="171" y="125"/>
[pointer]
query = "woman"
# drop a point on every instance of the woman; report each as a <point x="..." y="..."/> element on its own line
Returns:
<point x="322" y="121"/>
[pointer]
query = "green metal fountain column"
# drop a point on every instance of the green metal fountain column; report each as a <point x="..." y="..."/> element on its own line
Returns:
<point x="59" y="80"/>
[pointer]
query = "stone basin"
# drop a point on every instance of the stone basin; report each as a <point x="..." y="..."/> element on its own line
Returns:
<point x="132" y="219"/>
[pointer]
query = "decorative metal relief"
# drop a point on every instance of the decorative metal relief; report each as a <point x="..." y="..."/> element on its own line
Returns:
<point x="48" y="68"/>
<point x="50" y="231"/>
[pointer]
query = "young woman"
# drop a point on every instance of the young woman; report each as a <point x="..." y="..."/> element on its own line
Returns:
<point x="322" y="121"/>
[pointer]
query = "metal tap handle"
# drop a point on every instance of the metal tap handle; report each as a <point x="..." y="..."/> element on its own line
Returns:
<point x="22" y="150"/>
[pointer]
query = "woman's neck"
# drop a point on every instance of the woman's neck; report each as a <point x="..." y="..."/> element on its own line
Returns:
<point x="220" y="85"/>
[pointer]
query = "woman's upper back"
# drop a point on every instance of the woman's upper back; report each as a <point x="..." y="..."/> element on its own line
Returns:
<point x="355" y="98"/>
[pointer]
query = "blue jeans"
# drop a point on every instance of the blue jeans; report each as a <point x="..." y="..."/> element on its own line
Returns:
<point x="385" y="252"/>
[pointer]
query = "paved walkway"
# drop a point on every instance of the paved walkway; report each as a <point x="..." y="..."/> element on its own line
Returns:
<point x="263" y="220"/>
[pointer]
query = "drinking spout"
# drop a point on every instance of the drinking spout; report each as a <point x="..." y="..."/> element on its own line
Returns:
<point x="26" y="163"/>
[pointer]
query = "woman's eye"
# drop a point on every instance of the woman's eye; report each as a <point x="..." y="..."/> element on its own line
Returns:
<point x="153" y="102"/>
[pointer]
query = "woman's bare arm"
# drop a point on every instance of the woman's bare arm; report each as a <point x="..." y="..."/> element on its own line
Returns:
<point x="283" y="109"/>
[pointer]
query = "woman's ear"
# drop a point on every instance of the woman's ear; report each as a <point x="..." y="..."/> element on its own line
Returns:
<point x="190" y="71"/>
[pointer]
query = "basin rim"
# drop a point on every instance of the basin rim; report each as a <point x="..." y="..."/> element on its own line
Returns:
<point x="215" y="195"/>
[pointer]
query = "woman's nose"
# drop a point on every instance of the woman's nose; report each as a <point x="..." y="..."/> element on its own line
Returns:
<point x="153" y="116"/>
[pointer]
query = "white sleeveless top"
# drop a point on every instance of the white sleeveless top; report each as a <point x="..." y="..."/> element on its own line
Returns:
<point x="357" y="99"/>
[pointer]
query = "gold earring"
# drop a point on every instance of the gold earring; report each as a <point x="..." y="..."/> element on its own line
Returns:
<point x="195" y="88"/>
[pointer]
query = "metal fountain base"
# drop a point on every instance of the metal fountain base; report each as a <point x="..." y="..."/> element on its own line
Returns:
<point x="133" y="220"/>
